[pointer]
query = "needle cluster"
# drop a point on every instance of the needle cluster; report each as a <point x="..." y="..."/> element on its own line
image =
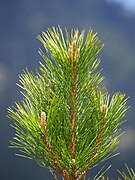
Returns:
<point x="66" y="122"/>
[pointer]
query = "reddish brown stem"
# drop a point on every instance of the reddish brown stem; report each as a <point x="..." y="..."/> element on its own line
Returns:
<point x="73" y="119"/>
<point x="44" y="135"/>
<point x="59" y="168"/>
<point x="97" y="142"/>
<point x="72" y="108"/>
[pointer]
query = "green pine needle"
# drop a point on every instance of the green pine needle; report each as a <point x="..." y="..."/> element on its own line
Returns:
<point x="130" y="175"/>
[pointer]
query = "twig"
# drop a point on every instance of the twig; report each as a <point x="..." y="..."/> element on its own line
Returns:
<point x="97" y="142"/>
<point x="60" y="169"/>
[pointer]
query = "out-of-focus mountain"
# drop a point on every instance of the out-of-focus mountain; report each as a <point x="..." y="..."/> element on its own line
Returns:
<point x="21" y="21"/>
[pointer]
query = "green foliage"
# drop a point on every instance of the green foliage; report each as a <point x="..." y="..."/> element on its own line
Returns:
<point x="65" y="121"/>
<point x="130" y="175"/>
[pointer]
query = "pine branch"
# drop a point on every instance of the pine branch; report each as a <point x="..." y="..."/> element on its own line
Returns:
<point x="97" y="142"/>
<point x="66" y="122"/>
<point x="44" y="135"/>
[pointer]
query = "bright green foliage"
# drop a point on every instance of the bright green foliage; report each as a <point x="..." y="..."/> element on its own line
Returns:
<point x="66" y="122"/>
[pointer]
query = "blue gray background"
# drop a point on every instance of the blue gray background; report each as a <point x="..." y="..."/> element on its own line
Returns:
<point x="21" y="21"/>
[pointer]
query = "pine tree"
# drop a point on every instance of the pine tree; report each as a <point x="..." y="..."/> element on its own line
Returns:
<point x="66" y="121"/>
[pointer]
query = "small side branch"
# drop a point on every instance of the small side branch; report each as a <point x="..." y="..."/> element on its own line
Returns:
<point x="59" y="168"/>
<point x="98" y="140"/>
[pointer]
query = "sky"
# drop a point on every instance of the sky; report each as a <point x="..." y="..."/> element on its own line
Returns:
<point x="127" y="5"/>
<point x="22" y="21"/>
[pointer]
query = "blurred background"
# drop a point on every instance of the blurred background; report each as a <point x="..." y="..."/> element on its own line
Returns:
<point x="21" y="21"/>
